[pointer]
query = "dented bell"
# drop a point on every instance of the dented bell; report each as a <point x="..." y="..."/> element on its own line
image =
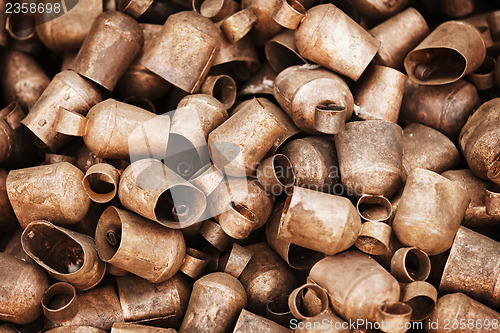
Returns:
<point x="430" y="212"/>
<point x="317" y="100"/>
<point x="109" y="49"/>
<point x="49" y="192"/>
<point x="214" y="305"/>
<point x="22" y="285"/>
<point x="156" y="256"/>
<point x="66" y="255"/>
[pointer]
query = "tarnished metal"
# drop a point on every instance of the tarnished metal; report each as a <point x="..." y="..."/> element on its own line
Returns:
<point x="477" y="214"/>
<point x="492" y="200"/>
<point x="23" y="285"/>
<point x="281" y="51"/>
<point x="134" y="8"/>
<point x="455" y="307"/>
<point x="67" y="32"/>
<point x="101" y="182"/>
<point x="214" y="234"/>
<point x="150" y="189"/>
<point x="50" y="192"/>
<point x="4" y="38"/>
<point x="98" y="308"/>
<point x="135" y="328"/>
<point x="399" y="35"/>
<point x="479" y="141"/>
<point x="184" y="50"/>
<point x="410" y="264"/>
<point x="22" y="79"/>
<point x="426" y="148"/>
<point x="113" y="42"/>
<point x="265" y="278"/>
<point x="68" y="90"/>
<point x="66" y="255"/>
<point x="217" y="10"/>
<point x="240" y="205"/>
<point x="421" y="296"/>
<point x="76" y="329"/>
<point x="156" y="256"/>
<point x="298" y="292"/>
<point x="85" y="158"/>
<point x="379" y="94"/>
<point x="317" y="100"/>
<point x="356" y="284"/>
<point x="238" y="25"/>
<point x="249" y="323"/>
<point x="483" y="78"/>
<point x="264" y="27"/>
<point x="472" y="267"/>
<point x="374" y="238"/>
<point x="439" y="59"/>
<point x="370" y="157"/>
<point x="318" y="221"/>
<point x="10" y="138"/>
<point x="235" y="261"/>
<point x="138" y="81"/>
<point x="289" y="13"/>
<point x="316" y="324"/>
<point x="162" y="304"/>
<point x="377" y="10"/>
<point x="276" y="174"/>
<point x="325" y="36"/>
<point x="261" y="84"/>
<point x="14" y="248"/>
<point x="222" y="87"/>
<point x="394" y="317"/>
<point x="430" y="212"/>
<point x="458" y="8"/>
<point x="444" y="107"/>
<point x="195" y="263"/>
<point x="237" y="59"/>
<point x="214" y="305"/>
<point x="314" y="163"/>
<point x="278" y="310"/>
<point x="235" y="152"/>
<point x="21" y="28"/>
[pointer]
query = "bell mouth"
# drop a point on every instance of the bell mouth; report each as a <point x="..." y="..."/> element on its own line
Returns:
<point x="436" y="66"/>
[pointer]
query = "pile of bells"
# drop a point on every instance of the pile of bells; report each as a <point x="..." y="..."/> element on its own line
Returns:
<point x="250" y="166"/>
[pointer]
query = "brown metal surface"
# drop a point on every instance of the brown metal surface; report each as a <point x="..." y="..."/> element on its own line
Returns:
<point x="410" y="264"/>
<point x="135" y="328"/>
<point x="261" y="84"/>
<point x="4" y="38"/>
<point x="161" y="304"/>
<point x="334" y="324"/>
<point x="222" y="87"/>
<point x="214" y="234"/>
<point x="235" y="261"/>
<point x="374" y="238"/>
<point x="22" y="286"/>
<point x="472" y="267"/>
<point x="275" y="174"/>
<point x="303" y="91"/>
<point x="155" y="256"/>
<point x="483" y="78"/>
<point x="66" y="255"/>
<point x="195" y="263"/>
<point x="289" y="13"/>
<point x="375" y="11"/>
<point x="238" y="25"/>
<point x="76" y="329"/>
<point x="249" y="323"/>
<point x="51" y="192"/>
<point x="101" y="182"/>
<point x="458" y="8"/>
<point x="325" y="35"/>
<point x="214" y="305"/>
<point x="134" y="8"/>
<point x="421" y="296"/>
<point x="430" y="212"/>
<point x="113" y="42"/>
<point x="281" y="51"/>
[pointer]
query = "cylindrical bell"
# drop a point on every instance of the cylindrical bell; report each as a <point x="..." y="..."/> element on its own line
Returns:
<point x="281" y="51"/>
<point x="65" y="308"/>
<point x="439" y="59"/>
<point x="51" y="192"/>
<point x="195" y="118"/>
<point x="240" y="205"/>
<point x="67" y="32"/>
<point x="379" y="94"/>
<point x="318" y="221"/>
<point x="214" y="234"/>
<point x="264" y="27"/>
<point x="214" y="305"/>
<point x="66" y="255"/>
<point x="356" y="284"/>
<point x="162" y="304"/>
<point x="249" y="322"/>
<point x="184" y="50"/>
<point x="445" y="107"/>
<point x="238" y="59"/>
<point x="156" y="256"/>
<point x="325" y="37"/>
<point x="23" y="80"/>
<point x="113" y="42"/>
<point x="69" y="90"/>
<point x="399" y="35"/>
<point x="410" y="264"/>
<point x="477" y="214"/>
<point x="135" y="328"/>
<point x="453" y="308"/>
<point x="374" y="11"/>
<point x="479" y="141"/>
<point x="134" y="8"/>
<point x="370" y="157"/>
<point x="138" y="81"/>
<point x="23" y="286"/>
<point x="238" y="25"/>
<point x="421" y="296"/>
<point x="76" y="329"/>
<point x="265" y="278"/>
<point x="317" y="100"/>
<point x="430" y="212"/>
<point x="374" y="237"/>
<point x="235" y="261"/>
<point x="314" y="163"/>
<point x="458" y="8"/>
<point x="472" y="267"/>
<point x="297" y="257"/>
<point x="150" y="189"/>
<point x="233" y="150"/>
<point x="426" y="148"/>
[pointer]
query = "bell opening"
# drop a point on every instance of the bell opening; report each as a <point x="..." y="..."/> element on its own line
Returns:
<point x="178" y="205"/>
<point x="21" y="26"/>
<point x="280" y="56"/>
<point x="108" y="234"/>
<point x="101" y="184"/>
<point x="245" y="212"/>
<point x="371" y="245"/>
<point x="182" y="156"/>
<point x="279" y="306"/>
<point x="374" y="208"/>
<point x="417" y="265"/>
<point x="439" y="65"/>
<point x="224" y="90"/>
<point x="283" y="170"/>
<point x="395" y="309"/>
<point x="422" y="306"/>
